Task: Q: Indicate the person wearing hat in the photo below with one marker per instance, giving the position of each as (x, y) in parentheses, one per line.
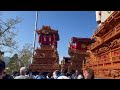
(2, 68)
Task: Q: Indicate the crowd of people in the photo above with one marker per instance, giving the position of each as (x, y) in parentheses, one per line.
(63, 74)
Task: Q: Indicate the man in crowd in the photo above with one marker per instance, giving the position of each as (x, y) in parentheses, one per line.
(63, 75)
(2, 68)
(22, 75)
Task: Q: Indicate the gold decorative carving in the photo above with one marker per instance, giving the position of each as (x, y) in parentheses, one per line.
(42, 55)
(115, 43)
(103, 49)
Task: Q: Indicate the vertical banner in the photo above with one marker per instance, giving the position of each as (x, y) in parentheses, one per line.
(98, 17)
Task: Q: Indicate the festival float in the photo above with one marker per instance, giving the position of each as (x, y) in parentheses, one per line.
(104, 53)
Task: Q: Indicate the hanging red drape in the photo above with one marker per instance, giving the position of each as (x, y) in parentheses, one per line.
(42, 39)
(52, 39)
(39, 38)
(47, 40)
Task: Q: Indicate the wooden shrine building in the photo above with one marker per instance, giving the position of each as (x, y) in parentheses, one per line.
(65, 63)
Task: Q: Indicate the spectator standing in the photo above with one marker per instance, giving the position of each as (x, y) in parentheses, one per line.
(22, 75)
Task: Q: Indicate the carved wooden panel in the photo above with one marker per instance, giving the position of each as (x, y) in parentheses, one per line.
(108, 51)
(45, 59)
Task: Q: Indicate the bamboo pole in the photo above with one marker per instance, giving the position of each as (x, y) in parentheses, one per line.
(34, 40)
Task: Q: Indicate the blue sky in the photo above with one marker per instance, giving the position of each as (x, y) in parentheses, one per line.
(68, 23)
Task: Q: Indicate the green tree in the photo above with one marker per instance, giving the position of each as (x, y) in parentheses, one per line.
(14, 64)
(21, 59)
(25, 54)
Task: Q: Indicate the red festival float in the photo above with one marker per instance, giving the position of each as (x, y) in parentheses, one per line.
(46, 57)
(77, 51)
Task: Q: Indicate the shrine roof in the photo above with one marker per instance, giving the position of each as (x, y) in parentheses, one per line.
(74, 39)
(46, 30)
(67, 58)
